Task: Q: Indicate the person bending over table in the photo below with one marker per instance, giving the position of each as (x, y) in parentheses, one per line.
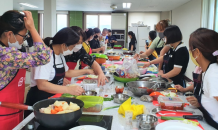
(83, 56)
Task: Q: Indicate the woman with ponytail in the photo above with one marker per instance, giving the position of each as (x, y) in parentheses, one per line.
(203, 49)
(133, 42)
(47, 80)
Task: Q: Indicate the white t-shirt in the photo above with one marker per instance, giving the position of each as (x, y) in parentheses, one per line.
(210, 88)
(47, 71)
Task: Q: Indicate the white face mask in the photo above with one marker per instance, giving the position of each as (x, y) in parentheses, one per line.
(16, 44)
(67, 52)
(77, 48)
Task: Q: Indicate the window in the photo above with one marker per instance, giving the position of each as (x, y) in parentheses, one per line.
(98, 20)
(61, 21)
(104, 22)
(91, 21)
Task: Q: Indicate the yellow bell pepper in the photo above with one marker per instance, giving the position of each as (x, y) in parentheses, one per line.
(136, 109)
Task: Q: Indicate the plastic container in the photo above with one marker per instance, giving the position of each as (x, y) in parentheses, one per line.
(174, 103)
(91, 103)
(89, 84)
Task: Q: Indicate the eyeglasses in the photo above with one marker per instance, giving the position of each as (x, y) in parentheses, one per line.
(24, 37)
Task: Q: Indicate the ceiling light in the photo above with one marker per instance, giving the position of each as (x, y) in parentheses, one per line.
(124, 5)
(29, 5)
(127, 5)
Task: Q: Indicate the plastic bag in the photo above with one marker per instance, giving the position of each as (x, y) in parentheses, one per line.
(129, 69)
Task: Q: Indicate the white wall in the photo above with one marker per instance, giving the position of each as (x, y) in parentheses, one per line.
(188, 18)
(165, 15)
(5, 6)
(149, 19)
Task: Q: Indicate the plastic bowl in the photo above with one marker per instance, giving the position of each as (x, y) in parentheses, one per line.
(142, 70)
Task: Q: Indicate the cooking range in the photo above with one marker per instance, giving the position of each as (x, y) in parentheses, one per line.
(104, 121)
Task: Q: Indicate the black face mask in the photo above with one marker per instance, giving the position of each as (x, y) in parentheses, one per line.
(96, 36)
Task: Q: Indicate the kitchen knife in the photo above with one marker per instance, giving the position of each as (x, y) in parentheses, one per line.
(191, 117)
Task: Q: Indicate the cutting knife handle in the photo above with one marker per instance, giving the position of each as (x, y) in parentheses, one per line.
(193, 117)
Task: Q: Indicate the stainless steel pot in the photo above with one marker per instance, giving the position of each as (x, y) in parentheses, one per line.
(159, 82)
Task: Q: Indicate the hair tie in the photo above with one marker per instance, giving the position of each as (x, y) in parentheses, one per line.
(87, 30)
(215, 53)
(50, 42)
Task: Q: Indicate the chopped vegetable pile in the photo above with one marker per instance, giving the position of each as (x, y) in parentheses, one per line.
(92, 76)
(169, 94)
(60, 107)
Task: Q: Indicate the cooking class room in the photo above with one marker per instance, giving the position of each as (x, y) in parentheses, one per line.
(108, 64)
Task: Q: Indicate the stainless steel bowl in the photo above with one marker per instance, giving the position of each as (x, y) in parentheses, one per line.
(91, 93)
(139, 88)
(129, 52)
(145, 121)
(120, 98)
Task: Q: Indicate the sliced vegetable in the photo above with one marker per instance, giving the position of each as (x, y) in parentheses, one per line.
(110, 107)
(68, 95)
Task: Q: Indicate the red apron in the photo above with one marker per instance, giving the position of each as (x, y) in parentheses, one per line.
(83, 65)
(14, 93)
(71, 66)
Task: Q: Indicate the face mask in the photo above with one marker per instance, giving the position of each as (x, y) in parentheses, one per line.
(96, 36)
(161, 35)
(16, 44)
(67, 52)
(193, 59)
(77, 48)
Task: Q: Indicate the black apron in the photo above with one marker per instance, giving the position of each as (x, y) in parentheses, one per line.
(168, 65)
(34, 95)
(198, 94)
(158, 50)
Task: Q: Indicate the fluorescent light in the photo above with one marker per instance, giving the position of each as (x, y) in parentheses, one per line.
(29, 5)
(127, 5)
(124, 5)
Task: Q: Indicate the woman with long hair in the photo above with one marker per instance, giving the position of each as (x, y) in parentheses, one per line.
(133, 42)
(13, 63)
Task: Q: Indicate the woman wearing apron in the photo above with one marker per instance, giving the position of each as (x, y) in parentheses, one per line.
(13, 63)
(204, 50)
(176, 60)
(47, 80)
(83, 56)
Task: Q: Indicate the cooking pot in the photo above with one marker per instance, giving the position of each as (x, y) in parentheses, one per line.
(54, 121)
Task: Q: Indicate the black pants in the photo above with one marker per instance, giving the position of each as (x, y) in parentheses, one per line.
(34, 95)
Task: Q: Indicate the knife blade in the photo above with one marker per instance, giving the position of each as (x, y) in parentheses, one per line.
(192, 117)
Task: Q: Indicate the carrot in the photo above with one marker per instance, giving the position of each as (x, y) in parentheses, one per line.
(58, 108)
(53, 111)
